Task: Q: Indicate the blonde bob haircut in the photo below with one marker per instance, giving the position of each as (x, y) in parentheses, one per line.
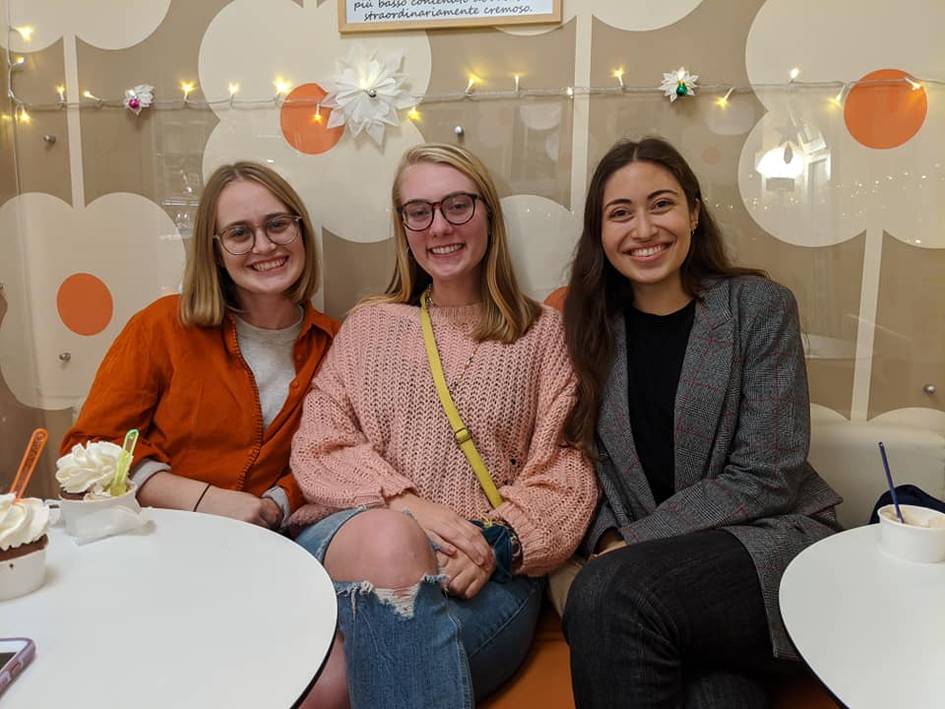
(208, 289)
(507, 312)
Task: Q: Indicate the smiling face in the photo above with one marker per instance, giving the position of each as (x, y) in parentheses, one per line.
(451, 254)
(268, 269)
(646, 232)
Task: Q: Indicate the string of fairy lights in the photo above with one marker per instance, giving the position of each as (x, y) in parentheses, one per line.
(474, 88)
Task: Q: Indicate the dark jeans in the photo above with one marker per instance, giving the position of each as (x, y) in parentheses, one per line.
(676, 622)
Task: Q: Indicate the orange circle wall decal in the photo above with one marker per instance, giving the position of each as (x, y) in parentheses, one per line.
(304, 124)
(84, 303)
(885, 115)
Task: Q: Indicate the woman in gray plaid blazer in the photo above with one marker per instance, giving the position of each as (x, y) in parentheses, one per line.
(694, 402)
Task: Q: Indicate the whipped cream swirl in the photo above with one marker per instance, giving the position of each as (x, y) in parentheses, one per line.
(89, 468)
(21, 521)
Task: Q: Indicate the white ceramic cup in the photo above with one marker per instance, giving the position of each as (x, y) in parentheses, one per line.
(74, 512)
(22, 574)
(915, 540)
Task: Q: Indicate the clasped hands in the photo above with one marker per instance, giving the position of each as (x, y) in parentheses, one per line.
(462, 555)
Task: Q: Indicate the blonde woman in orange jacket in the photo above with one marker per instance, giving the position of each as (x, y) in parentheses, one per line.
(214, 379)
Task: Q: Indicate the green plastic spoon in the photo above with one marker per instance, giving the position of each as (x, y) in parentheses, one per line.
(120, 481)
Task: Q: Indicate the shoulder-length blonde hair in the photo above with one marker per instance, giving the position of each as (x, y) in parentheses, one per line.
(507, 312)
(208, 289)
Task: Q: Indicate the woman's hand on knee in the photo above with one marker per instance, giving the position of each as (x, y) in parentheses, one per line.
(449, 531)
(464, 578)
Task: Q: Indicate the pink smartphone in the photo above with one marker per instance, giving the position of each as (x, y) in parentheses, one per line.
(15, 654)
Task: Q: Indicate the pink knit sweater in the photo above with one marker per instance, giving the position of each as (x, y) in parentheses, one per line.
(372, 426)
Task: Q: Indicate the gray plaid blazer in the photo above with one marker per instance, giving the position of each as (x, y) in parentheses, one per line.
(742, 432)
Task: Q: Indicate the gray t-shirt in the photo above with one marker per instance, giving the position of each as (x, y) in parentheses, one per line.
(269, 354)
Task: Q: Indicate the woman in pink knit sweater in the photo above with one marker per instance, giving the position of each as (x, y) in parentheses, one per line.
(429, 613)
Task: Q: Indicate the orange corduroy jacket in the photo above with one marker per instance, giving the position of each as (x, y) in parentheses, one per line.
(194, 400)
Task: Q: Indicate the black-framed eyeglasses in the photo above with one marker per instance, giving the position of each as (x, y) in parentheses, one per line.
(239, 239)
(457, 208)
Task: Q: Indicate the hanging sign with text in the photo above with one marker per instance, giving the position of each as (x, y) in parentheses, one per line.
(379, 15)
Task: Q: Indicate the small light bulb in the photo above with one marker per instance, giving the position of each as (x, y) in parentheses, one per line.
(471, 83)
(838, 99)
(795, 72)
(518, 82)
(26, 32)
(19, 61)
(234, 88)
(916, 85)
(618, 75)
(681, 73)
(569, 92)
(282, 86)
(187, 87)
(61, 90)
(92, 97)
(318, 113)
(722, 101)
(6, 117)
(23, 117)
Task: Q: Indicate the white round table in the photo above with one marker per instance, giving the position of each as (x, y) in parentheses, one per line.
(871, 626)
(194, 611)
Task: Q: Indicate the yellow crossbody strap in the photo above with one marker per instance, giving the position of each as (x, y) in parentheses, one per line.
(463, 437)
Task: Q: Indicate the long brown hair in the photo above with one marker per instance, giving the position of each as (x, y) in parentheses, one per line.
(597, 292)
(507, 313)
(208, 289)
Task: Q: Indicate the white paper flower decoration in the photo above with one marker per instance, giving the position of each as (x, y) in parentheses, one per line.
(138, 98)
(679, 83)
(367, 91)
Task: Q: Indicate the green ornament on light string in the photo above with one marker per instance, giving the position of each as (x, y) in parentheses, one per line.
(679, 84)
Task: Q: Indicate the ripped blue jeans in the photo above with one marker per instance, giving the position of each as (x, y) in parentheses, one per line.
(418, 647)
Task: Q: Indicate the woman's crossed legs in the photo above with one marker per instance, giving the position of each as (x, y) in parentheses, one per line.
(669, 623)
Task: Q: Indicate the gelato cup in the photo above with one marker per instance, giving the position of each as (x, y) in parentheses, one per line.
(90, 517)
(23, 540)
(920, 539)
(23, 572)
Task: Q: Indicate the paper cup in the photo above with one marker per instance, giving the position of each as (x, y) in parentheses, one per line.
(78, 514)
(920, 539)
(22, 574)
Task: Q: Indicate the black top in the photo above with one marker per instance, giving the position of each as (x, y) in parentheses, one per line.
(656, 346)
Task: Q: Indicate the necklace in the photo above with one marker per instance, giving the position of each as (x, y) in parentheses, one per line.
(454, 386)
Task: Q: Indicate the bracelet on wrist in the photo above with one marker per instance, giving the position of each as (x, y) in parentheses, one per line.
(200, 499)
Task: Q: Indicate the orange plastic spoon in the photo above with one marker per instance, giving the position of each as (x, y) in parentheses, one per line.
(30, 458)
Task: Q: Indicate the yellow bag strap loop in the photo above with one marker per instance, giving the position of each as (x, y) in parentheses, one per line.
(463, 436)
